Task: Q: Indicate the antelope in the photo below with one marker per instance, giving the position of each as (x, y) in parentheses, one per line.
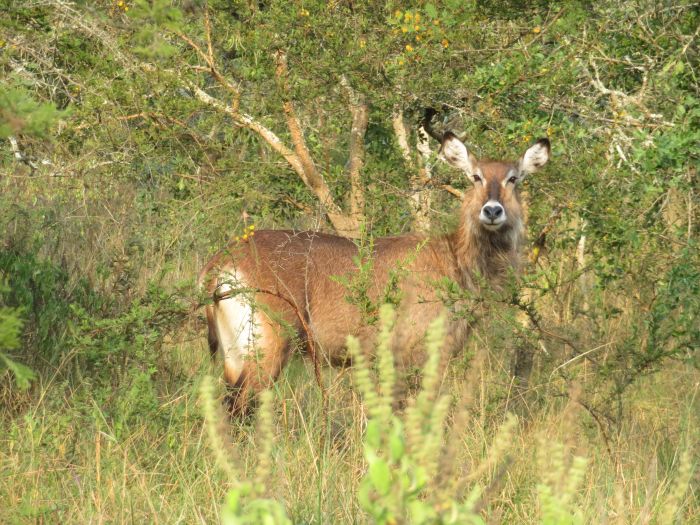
(279, 284)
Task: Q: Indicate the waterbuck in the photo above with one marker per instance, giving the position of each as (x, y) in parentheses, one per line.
(277, 285)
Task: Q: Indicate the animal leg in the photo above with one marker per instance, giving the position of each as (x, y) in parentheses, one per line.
(261, 367)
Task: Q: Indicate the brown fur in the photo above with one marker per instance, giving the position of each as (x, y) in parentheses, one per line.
(289, 275)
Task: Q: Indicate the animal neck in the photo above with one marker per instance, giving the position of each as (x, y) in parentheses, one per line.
(490, 254)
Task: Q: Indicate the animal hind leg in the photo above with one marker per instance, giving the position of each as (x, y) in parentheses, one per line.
(212, 337)
(261, 366)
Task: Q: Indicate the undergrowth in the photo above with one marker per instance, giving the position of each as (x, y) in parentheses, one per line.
(406, 452)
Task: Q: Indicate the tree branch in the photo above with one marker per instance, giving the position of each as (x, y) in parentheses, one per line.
(249, 122)
(346, 225)
(402, 136)
(421, 177)
(356, 158)
(293, 121)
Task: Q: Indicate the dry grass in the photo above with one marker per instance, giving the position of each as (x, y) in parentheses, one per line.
(134, 449)
(66, 461)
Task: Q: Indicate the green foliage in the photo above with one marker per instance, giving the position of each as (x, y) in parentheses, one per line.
(362, 291)
(124, 196)
(10, 330)
(42, 290)
(20, 113)
(402, 456)
(150, 43)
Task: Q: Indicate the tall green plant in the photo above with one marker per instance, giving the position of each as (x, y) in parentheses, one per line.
(246, 502)
(402, 452)
(10, 331)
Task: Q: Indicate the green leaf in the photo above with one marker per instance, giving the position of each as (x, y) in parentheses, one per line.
(396, 444)
(380, 474)
(23, 374)
(373, 434)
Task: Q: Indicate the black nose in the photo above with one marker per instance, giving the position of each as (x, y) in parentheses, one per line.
(493, 212)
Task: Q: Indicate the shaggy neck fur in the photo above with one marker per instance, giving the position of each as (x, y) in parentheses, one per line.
(490, 254)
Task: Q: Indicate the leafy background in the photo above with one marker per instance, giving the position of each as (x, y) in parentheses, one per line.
(118, 183)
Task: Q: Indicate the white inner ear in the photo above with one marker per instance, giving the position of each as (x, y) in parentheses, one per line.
(455, 153)
(535, 157)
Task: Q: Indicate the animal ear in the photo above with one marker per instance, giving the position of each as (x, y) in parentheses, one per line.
(454, 152)
(535, 157)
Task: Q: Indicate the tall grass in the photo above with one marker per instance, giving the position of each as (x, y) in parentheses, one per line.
(113, 430)
(65, 459)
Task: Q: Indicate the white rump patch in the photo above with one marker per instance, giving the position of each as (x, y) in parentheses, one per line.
(235, 324)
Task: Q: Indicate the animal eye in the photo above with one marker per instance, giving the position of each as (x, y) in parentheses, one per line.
(513, 180)
(476, 178)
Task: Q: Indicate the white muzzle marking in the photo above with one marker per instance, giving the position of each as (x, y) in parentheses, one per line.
(492, 215)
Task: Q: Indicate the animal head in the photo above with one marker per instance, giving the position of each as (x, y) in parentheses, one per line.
(494, 203)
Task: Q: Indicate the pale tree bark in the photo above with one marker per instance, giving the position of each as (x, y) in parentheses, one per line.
(420, 197)
(298, 158)
(359, 111)
(347, 225)
(425, 178)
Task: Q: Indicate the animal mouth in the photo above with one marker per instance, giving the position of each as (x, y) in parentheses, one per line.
(492, 226)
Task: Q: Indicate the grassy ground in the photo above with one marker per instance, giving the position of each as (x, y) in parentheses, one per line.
(127, 443)
(72, 455)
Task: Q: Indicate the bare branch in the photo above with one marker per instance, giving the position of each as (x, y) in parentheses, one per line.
(342, 223)
(423, 195)
(360, 119)
(293, 121)
(207, 26)
(401, 133)
(453, 191)
(213, 70)
(422, 176)
(347, 225)
(249, 122)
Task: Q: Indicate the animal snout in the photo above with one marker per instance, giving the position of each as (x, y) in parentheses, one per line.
(492, 212)
(492, 215)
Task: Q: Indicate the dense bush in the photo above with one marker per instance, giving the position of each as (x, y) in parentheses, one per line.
(137, 136)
